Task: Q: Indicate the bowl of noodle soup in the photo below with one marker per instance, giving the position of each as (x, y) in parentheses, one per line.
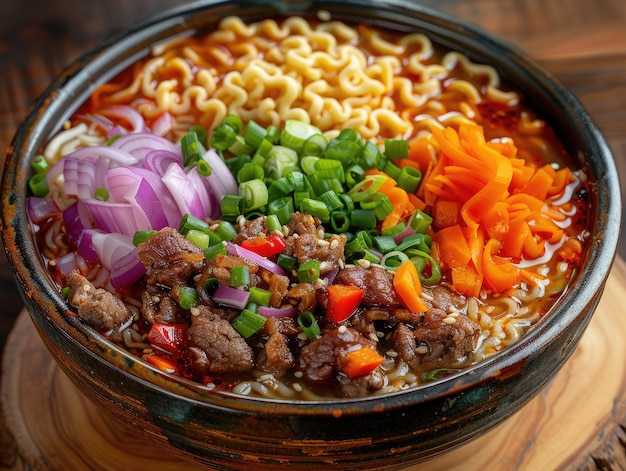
(489, 148)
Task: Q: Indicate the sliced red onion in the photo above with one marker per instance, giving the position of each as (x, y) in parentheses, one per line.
(128, 114)
(139, 144)
(80, 177)
(163, 124)
(122, 218)
(210, 204)
(230, 296)
(157, 160)
(98, 120)
(112, 155)
(85, 246)
(41, 209)
(76, 220)
(128, 186)
(66, 264)
(238, 250)
(278, 312)
(119, 256)
(169, 205)
(116, 130)
(183, 192)
(220, 172)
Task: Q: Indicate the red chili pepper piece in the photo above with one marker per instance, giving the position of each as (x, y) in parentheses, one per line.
(171, 338)
(273, 244)
(343, 300)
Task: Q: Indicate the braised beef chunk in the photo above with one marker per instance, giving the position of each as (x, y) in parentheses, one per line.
(159, 308)
(440, 339)
(320, 361)
(276, 356)
(226, 350)
(442, 297)
(171, 259)
(375, 281)
(103, 310)
(360, 386)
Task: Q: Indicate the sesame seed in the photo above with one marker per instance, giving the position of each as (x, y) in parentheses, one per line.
(334, 244)
(449, 320)
(194, 311)
(323, 242)
(212, 227)
(86, 287)
(364, 263)
(285, 230)
(266, 377)
(342, 329)
(391, 353)
(373, 336)
(241, 221)
(320, 233)
(341, 264)
(297, 387)
(298, 374)
(295, 235)
(421, 350)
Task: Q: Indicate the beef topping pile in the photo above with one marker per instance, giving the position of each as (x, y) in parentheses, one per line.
(201, 340)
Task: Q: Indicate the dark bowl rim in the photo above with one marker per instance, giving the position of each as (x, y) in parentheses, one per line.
(24, 258)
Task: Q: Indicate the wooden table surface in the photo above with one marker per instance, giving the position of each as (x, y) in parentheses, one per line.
(582, 42)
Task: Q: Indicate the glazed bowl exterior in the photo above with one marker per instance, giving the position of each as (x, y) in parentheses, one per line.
(387, 432)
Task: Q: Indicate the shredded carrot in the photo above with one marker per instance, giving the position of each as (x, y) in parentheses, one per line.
(361, 362)
(407, 284)
(420, 152)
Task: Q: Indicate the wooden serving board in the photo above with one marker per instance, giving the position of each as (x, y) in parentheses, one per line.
(576, 422)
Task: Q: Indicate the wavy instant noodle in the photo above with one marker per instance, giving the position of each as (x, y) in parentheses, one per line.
(385, 86)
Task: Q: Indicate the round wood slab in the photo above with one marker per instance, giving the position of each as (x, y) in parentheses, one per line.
(576, 422)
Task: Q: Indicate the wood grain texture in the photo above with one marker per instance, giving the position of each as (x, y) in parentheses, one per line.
(576, 422)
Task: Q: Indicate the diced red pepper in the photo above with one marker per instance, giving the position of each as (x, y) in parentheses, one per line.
(343, 300)
(361, 362)
(273, 244)
(171, 338)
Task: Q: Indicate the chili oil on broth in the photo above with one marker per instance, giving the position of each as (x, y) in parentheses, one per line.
(381, 83)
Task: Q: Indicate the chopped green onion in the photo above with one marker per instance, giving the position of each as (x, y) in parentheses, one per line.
(416, 241)
(307, 164)
(434, 375)
(394, 230)
(392, 170)
(315, 208)
(236, 163)
(286, 262)
(65, 293)
(273, 224)
(223, 137)
(371, 156)
(278, 160)
(38, 184)
(363, 218)
(346, 151)
(226, 231)
(331, 200)
(39, 164)
(232, 207)
(330, 168)
(369, 185)
(348, 134)
(204, 168)
(254, 134)
(385, 243)
(191, 148)
(299, 196)
(282, 208)
(409, 179)
(379, 202)
(189, 222)
(371, 256)
(354, 174)
(357, 245)
(396, 149)
(198, 238)
(188, 298)
(296, 133)
(239, 147)
(392, 260)
(250, 172)
(308, 324)
(259, 296)
(210, 286)
(315, 145)
(248, 323)
(239, 275)
(234, 121)
(101, 194)
(254, 193)
(112, 139)
(424, 262)
(420, 221)
(340, 221)
(200, 132)
(254, 307)
(142, 236)
(214, 250)
(273, 134)
(309, 271)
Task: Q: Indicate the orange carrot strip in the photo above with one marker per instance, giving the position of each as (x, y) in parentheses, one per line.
(500, 274)
(446, 213)
(361, 362)
(453, 247)
(407, 284)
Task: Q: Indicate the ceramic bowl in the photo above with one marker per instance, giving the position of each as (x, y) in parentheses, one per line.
(387, 432)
